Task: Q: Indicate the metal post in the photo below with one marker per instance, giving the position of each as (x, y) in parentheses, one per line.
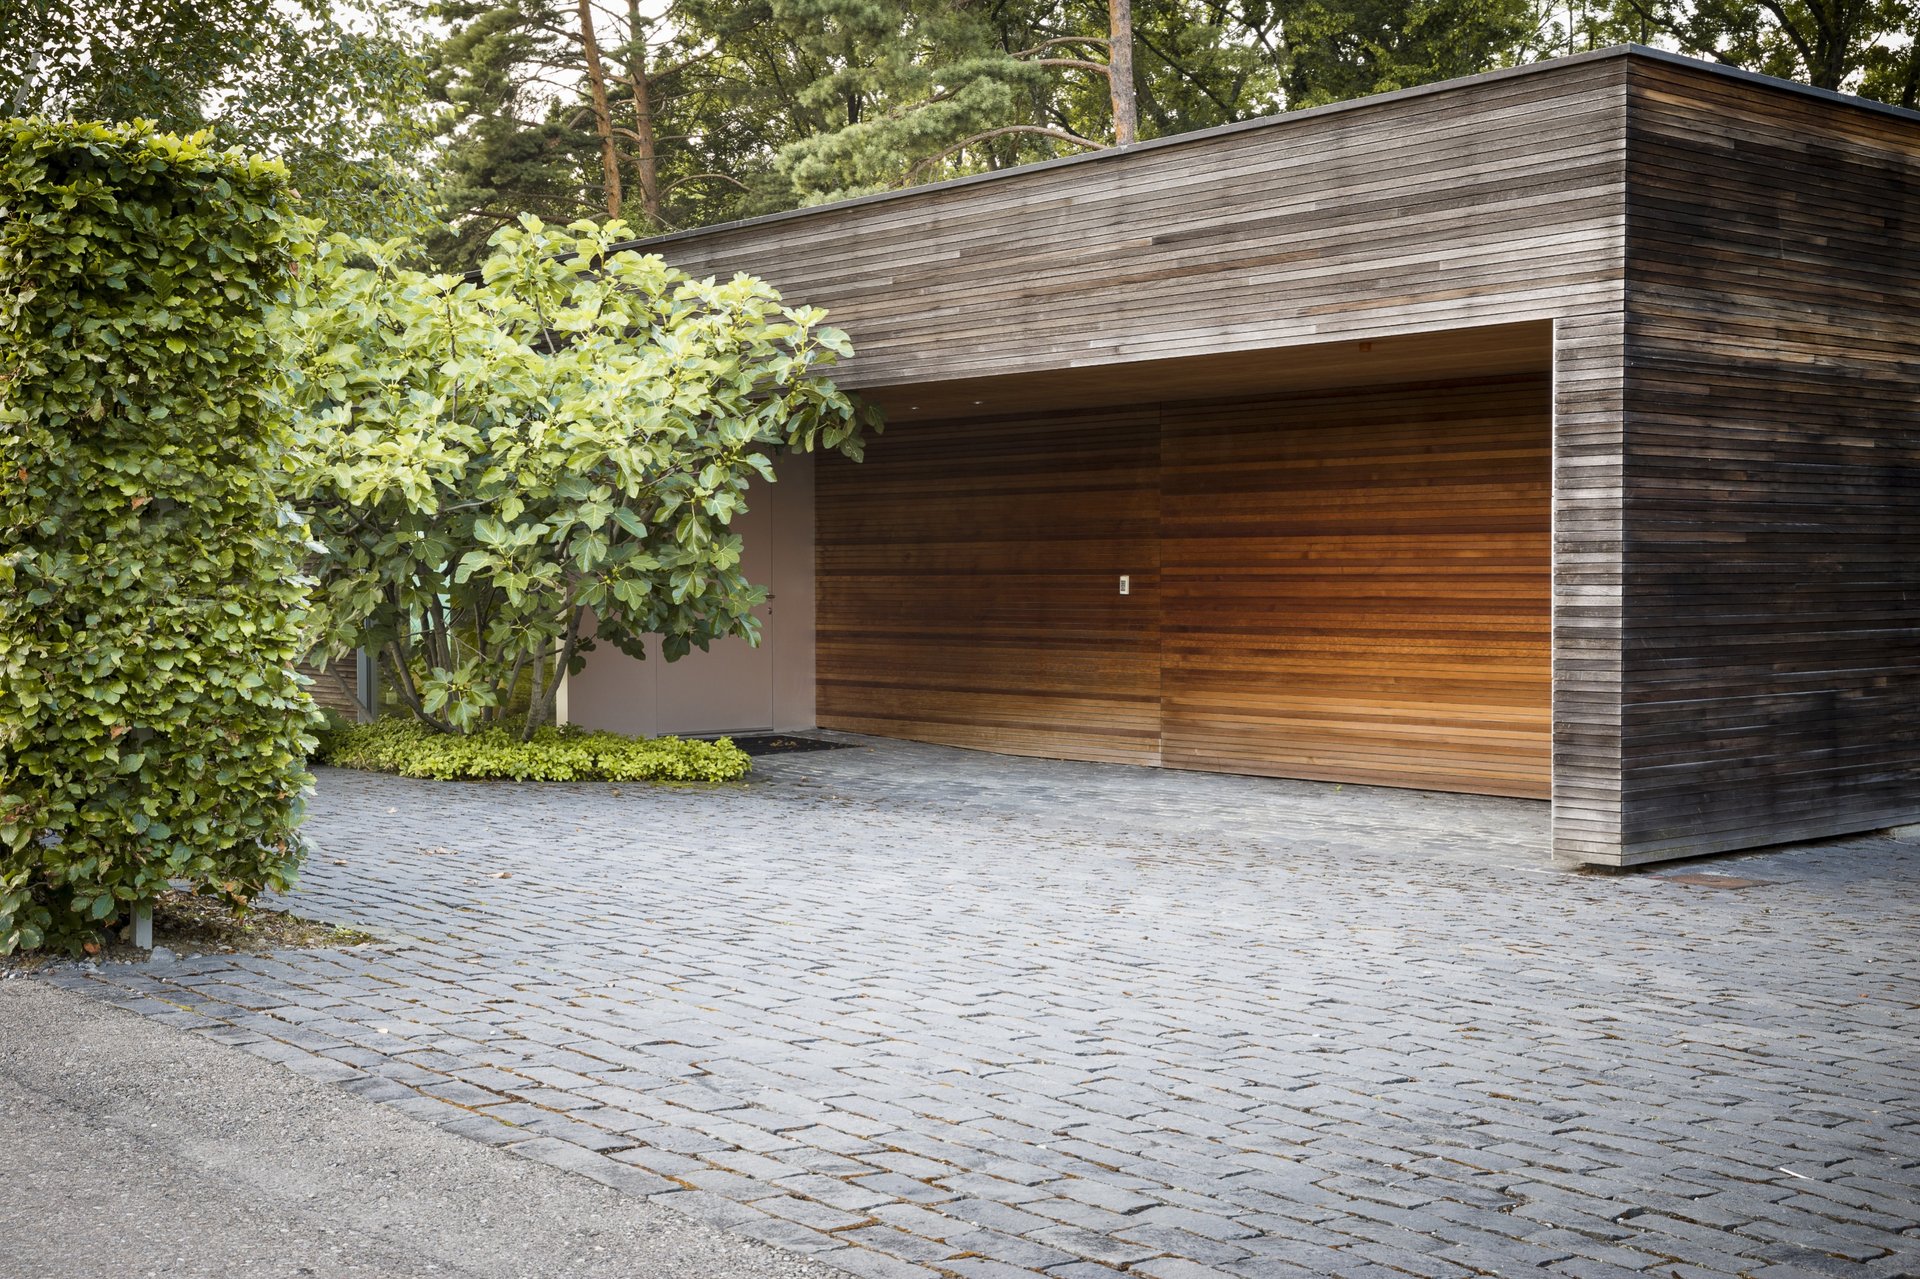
(367, 685)
(143, 926)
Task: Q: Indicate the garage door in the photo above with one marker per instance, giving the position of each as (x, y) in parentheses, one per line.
(1348, 587)
(966, 576)
(1356, 588)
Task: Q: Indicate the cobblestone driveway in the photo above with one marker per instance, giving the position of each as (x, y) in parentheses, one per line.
(932, 1012)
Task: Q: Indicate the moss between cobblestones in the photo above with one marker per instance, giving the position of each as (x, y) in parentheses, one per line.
(565, 754)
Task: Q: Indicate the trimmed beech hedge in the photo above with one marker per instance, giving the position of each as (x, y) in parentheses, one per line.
(566, 754)
(151, 725)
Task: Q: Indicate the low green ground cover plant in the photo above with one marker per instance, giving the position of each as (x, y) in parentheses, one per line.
(552, 754)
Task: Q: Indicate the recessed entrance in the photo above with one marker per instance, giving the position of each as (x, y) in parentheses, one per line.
(1339, 570)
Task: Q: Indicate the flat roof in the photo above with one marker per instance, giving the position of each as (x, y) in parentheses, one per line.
(1110, 155)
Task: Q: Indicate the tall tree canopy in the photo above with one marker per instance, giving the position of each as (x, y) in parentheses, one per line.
(678, 113)
(1870, 47)
(614, 108)
(331, 89)
(697, 111)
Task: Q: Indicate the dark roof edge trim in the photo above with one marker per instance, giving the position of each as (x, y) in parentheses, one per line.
(1873, 105)
(1110, 154)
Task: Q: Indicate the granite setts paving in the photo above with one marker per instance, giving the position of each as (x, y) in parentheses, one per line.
(931, 1012)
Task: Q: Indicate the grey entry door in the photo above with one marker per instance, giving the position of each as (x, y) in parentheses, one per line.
(729, 688)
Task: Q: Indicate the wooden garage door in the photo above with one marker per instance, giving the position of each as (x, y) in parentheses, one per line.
(967, 586)
(1351, 587)
(1356, 587)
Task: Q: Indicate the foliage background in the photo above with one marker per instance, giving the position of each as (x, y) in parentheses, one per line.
(334, 89)
(394, 115)
(488, 462)
(151, 726)
(752, 106)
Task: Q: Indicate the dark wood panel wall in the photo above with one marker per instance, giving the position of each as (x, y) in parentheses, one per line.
(1772, 615)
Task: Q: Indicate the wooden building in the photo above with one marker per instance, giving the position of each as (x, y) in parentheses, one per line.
(344, 685)
(1551, 433)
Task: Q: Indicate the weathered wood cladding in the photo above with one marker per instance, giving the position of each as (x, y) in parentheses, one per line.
(336, 685)
(1771, 621)
(1588, 480)
(1491, 202)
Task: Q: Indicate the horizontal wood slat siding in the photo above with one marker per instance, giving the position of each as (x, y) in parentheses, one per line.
(1588, 536)
(1493, 202)
(1350, 587)
(1772, 619)
(1356, 587)
(336, 684)
(967, 586)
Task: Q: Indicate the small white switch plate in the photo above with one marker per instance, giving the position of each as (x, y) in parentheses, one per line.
(1126, 584)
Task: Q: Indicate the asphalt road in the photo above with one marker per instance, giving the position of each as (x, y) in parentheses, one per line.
(129, 1148)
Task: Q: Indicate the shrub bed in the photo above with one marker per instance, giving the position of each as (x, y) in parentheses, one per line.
(568, 754)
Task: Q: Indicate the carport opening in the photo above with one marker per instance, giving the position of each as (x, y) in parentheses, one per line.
(1329, 562)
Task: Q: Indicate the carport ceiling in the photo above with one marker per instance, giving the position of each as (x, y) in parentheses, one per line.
(1420, 357)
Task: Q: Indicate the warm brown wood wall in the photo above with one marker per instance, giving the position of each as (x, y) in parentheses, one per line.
(1772, 617)
(1342, 586)
(1356, 587)
(967, 586)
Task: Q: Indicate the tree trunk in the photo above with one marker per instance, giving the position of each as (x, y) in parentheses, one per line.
(646, 150)
(394, 656)
(24, 92)
(546, 692)
(536, 696)
(602, 113)
(1126, 108)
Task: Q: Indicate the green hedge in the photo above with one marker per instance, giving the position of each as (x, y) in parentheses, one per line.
(151, 725)
(569, 754)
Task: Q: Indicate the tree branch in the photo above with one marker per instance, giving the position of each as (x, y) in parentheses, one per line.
(695, 177)
(1099, 68)
(395, 657)
(541, 709)
(1795, 38)
(1041, 129)
(1057, 42)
